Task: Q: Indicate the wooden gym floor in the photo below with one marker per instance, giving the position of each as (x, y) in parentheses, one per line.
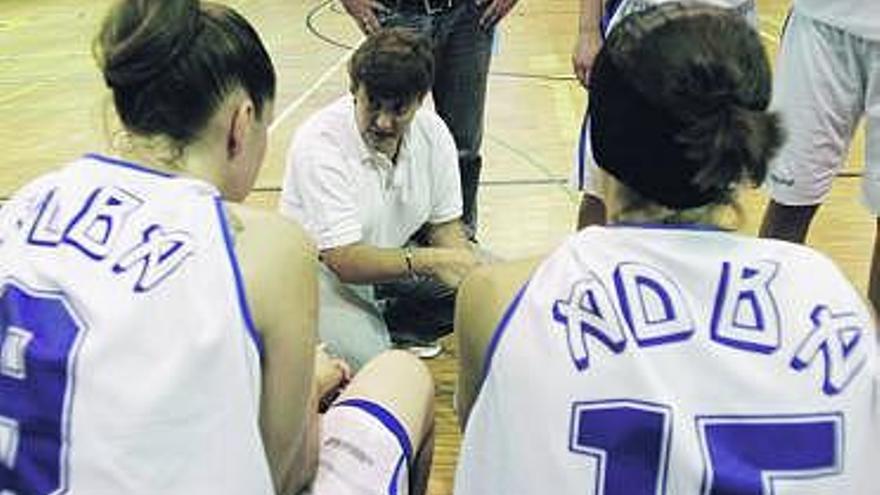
(53, 108)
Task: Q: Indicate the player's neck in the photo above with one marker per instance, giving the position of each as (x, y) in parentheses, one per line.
(158, 153)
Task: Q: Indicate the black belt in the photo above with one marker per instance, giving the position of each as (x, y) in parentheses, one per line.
(429, 7)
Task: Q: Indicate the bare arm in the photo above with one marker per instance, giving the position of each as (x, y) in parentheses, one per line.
(482, 300)
(279, 268)
(361, 263)
(495, 11)
(364, 13)
(589, 39)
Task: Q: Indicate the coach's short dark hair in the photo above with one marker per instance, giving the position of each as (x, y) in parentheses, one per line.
(393, 63)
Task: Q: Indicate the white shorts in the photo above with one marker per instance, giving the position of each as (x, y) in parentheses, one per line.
(584, 174)
(825, 81)
(364, 451)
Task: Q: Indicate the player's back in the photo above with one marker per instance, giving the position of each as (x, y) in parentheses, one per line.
(129, 362)
(646, 360)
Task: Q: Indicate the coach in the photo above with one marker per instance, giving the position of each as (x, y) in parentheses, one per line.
(366, 174)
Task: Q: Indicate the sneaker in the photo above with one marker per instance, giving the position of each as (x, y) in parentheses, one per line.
(426, 350)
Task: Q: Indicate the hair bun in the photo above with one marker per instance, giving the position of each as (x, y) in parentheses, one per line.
(147, 37)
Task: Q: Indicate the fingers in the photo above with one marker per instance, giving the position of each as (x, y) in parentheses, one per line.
(491, 15)
(364, 13)
(582, 72)
(496, 11)
(377, 6)
(369, 23)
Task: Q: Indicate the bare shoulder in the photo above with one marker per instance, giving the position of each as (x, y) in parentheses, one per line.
(482, 300)
(498, 283)
(485, 295)
(278, 263)
(269, 235)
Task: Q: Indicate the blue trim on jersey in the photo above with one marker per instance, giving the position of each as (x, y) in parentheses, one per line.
(582, 148)
(394, 426)
(500, 329)
(671, 226)
(239, 281)
(610, 9)
(392, 485)
(129, 165)
(386, 418)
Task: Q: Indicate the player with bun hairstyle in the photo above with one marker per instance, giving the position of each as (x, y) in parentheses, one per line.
(662, 353)
(157, 337)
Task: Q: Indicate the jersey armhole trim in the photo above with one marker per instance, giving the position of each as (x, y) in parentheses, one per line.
(500, 329)
(239, 282)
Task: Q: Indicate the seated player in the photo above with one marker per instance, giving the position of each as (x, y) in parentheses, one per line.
(157, 338)
(662, 353)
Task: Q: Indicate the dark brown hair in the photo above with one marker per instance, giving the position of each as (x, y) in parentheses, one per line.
(393, 63)
(170, 63)
(689, 85)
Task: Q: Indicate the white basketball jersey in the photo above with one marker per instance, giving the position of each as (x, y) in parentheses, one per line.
(129, 362)
(648, 360)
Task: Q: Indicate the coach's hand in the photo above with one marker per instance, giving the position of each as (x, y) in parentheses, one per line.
(364, 13)
(585, 50)
(495, 10)
(452, 265)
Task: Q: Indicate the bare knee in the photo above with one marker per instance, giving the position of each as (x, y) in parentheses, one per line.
(401, 383)
(410, 370)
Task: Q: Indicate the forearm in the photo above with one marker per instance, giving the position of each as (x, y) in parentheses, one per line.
(590, 13)
(364, 264)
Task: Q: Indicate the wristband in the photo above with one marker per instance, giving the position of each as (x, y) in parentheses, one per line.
(408, 257)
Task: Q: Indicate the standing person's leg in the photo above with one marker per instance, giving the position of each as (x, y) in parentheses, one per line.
(874, 276)
(818, 90)
(463, 52)
(871, 180)
(789, 223)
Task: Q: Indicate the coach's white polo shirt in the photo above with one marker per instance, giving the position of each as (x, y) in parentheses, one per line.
(343, 193)
(859, 17)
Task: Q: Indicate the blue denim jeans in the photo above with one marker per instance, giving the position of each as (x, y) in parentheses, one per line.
(462, 51)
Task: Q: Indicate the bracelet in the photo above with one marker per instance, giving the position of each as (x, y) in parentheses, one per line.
(408, 257)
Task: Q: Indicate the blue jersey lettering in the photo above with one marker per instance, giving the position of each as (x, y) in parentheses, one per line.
(745, 314)
(589, 311)
(840, 338)
(159, 255)
(652, 305)
(95, 228)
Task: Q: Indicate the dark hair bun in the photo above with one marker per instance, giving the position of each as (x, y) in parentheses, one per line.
(146, 37)
(694, 82)
(171, 63)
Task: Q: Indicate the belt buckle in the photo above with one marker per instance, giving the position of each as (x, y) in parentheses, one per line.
(430, 9)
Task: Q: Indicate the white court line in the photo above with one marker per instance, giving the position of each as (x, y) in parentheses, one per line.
(769, 37)
(309, 92)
